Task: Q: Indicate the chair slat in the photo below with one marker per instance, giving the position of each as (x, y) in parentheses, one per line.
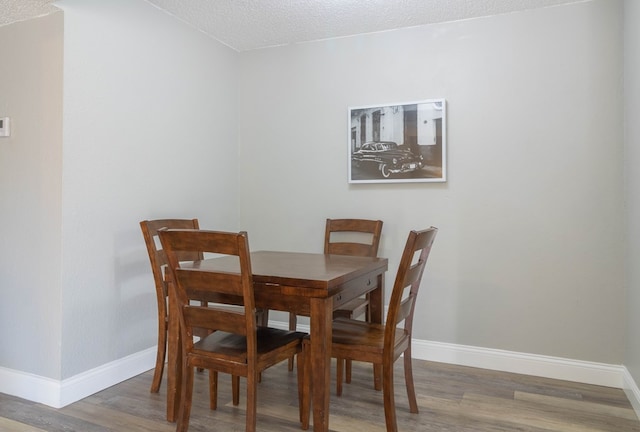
(355, 249)
(197, 280)
(405, 308)
(215, 319)
(413, 274)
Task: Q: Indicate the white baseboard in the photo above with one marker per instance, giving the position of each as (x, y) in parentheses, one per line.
(531, 364)
(522, 363)
(58, 394)
(509, 361)
(632, 391)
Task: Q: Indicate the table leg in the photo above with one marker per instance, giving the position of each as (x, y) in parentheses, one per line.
(376, 300)
(321, 315)
(376, 305)
(174, 359)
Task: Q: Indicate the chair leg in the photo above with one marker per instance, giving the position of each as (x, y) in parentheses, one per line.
(303, 386)
(187, 396)
(377, 374)
(235, 389)
(252, 390)
(339, 371)
(160, 356)
(263, 317)
(408, 379)
(293, 324)
(349, 362)
(389, 398)
(213, 389)
(304, 392)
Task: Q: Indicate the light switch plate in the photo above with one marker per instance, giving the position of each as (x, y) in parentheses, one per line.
(5, 129)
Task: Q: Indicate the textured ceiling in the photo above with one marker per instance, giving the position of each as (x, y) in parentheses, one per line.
(20, 10)
(251, 24)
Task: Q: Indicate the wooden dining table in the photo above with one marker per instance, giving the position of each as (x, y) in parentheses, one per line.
(303, 283)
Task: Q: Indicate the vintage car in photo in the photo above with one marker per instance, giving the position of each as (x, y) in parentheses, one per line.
(387, 157)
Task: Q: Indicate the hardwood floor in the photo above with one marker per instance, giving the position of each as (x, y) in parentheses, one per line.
(450, 399)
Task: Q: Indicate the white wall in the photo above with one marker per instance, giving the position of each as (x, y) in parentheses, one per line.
(530, 249)
(632, 159)
(150, 109)
(30, 195)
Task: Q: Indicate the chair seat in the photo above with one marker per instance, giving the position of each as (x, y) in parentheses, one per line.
(352, 309)
(367, 337)
(234, 347)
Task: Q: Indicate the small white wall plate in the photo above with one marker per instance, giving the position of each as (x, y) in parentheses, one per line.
(5, 129)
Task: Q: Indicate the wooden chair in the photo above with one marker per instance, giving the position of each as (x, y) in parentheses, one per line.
(356, 237)
(384, 344)
(236, 345)
(158, 262)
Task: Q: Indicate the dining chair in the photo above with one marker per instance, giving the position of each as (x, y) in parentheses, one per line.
(383, 344)
(236, 344)
(158, 260)
(356, 237)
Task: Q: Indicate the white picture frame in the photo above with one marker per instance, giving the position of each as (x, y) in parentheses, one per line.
(398, 143)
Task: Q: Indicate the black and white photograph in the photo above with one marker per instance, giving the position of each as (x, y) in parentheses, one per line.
(398, 143)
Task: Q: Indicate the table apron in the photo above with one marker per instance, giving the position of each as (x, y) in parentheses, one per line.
(297, 299)
(355, 288)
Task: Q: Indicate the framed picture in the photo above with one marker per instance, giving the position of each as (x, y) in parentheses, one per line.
(399, 143)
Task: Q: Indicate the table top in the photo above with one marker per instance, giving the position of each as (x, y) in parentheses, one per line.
(311, 270)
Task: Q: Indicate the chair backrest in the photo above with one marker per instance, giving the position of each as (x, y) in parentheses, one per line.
(157, 257)
(405, 289)
(349, 246)
(224, 286)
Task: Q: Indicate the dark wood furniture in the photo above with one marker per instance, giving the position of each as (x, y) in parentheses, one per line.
(334, 243)
(236, 344)
(355, 237)
(158, 260)
(384, 344)
(306, 284)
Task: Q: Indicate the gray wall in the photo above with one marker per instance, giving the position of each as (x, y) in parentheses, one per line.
(632, 159)
(529, 257)
(161, 121)
(30, 195)
(149, 132)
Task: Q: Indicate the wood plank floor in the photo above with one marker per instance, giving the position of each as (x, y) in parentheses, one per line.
(450, 399)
